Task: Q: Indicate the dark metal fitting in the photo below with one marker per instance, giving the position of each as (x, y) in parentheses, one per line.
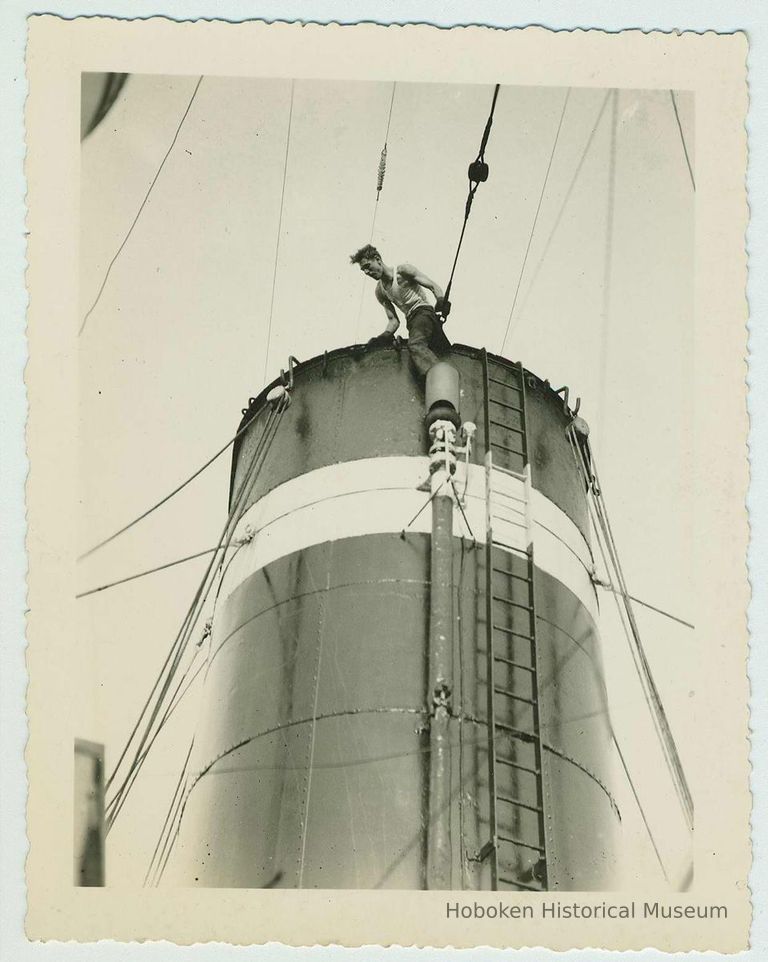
(279, 397)
(580, 427)
(287, 378)
(207, 629)
(478, 172)
(441, 696)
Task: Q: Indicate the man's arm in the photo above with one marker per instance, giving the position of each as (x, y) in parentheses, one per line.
(393, 321)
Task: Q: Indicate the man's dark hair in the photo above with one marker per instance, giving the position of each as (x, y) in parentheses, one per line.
(364, 254)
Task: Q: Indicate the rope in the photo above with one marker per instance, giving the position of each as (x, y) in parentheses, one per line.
(461, 509)
(149, 571)
(224, 539)
(179, 645)
(566, 199)
(168, 496)
(682, 139)
(473, 185)
(117, 803)
(607, 292)
(645, 604)
(535, 220)
(660, 714)
(581, 467)
(141, 208)
(638, 802)
(642, 666)
(170, 816)
(381, 171)
(258, 458)
(423, 507)
(279, 231)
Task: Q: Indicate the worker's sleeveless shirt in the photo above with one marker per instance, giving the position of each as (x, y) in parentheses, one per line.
(404, 293)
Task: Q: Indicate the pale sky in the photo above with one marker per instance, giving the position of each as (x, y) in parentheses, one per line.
(177, 342)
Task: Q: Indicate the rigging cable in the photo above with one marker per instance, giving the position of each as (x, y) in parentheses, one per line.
(606, 300)
(141, 208)
(243, 428)
(682, 139)
(477, 174)
(170, 814)
(116, 802)
(381, 171)
(535, 220)
(585, 477)
(178, 647)
(566, 199)
(148, 571)
(626, 616)
(163, 567)
(279, 232)
(609, 587)
(115, 806)
(660, 715)
(639, 804)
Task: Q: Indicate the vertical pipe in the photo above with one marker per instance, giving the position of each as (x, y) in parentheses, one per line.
(439, 856)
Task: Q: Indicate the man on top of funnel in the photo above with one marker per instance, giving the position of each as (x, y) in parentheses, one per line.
(404, 287)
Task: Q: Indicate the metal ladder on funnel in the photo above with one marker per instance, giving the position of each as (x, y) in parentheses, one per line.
(516, 848)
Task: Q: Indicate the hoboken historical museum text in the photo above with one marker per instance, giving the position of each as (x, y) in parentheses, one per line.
(582, 910)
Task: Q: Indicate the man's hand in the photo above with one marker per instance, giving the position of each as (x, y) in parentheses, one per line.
(386, 339)
(442, 307)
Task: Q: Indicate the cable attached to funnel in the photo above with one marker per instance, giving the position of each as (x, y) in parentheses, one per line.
(477, 174)
(180, 643)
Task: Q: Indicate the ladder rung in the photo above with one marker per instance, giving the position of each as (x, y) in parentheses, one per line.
(503, 447)
(509, 407)
(508, 601)
(510, 547)
(515, 664)
(518, 732)
(511, 574)
(511, 631)
(509, 471)
(522, 885)
(503, 507)
(503, 760)
(511, 694)
(506, 494)
(514, 524)
(495, 380)
(513, 521)
(511, 840)
(516, 801)
(512, 507)
(506, 427)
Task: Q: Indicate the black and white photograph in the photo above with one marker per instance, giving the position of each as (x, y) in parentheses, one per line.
(386, 539)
